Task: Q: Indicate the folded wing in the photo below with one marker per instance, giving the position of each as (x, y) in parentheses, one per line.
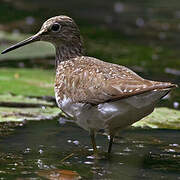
(93, 81)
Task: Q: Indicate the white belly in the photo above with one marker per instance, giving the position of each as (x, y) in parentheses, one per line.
(115, 115)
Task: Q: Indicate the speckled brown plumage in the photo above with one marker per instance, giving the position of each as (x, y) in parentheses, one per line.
(96, 94)
(89, 80)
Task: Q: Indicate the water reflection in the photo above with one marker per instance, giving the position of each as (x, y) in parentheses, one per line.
(48, 146)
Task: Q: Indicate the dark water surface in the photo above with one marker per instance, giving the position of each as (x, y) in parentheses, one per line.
(138, 154)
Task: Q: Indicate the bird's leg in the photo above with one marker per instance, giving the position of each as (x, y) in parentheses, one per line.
(110, 143)
(92, 134)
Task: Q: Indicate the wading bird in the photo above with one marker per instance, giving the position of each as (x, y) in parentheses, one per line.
(97, 95)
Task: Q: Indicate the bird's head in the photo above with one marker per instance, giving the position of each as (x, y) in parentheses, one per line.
(56, 30)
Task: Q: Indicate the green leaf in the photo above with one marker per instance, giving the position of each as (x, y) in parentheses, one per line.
(163, 118)
(20, 98)
(28, 82)
(21, 114)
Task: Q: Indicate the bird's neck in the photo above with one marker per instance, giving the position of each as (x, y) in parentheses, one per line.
(68, 51)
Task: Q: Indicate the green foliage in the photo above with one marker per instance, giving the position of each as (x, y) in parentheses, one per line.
(162, 118)
(20, 114)
(28, 82)
(21, 98)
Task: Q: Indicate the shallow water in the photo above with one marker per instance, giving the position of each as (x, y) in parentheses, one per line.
(138, 154)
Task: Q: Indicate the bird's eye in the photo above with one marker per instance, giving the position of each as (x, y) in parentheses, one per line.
(56, 27)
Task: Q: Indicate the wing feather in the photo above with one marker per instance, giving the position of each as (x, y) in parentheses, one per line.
(88, 80)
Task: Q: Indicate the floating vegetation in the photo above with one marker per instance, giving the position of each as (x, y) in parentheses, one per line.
(162, 118)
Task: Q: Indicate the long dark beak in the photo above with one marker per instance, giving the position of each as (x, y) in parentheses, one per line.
(29, 40)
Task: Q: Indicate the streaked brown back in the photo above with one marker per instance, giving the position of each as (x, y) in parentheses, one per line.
(89, 80)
